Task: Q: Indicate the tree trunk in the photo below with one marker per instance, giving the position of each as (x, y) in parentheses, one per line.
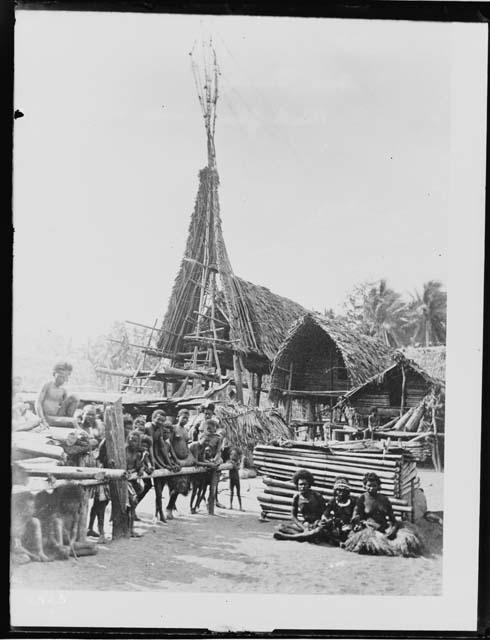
(116, 455)
(237, 374)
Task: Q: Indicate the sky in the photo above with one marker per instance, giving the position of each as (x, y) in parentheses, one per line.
(333, 143)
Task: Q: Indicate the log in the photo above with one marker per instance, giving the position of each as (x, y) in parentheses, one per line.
(399, 424)
(71, 473)
(40, 450)
(116, 454)
(237, 375)
(413, 422)
(185, 471)
(325, 467)
(331, 460)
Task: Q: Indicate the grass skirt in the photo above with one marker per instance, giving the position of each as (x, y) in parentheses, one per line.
(406, 542)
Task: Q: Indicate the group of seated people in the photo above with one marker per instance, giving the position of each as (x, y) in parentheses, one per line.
(365, 525)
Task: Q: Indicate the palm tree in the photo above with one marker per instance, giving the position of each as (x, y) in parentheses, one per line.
(427, 315)
(379, 311)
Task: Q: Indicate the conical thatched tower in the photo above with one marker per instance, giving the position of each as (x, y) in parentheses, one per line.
(215, 319)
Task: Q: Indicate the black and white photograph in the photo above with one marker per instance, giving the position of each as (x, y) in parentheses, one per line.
(247, 321)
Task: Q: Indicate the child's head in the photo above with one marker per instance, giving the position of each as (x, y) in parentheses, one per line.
(183, 417)
(139, 423)
(134, 439)
(158, 416)
(208, 452)
(210, 426)
(235, 455)
(145, 443)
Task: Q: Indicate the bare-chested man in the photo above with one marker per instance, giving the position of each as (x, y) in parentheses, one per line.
(54, 406)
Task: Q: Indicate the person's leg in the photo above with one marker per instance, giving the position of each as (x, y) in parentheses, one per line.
(69, 406)
(147, 486)
(91, 522)
(216, 501)
(101, 507)
(80, 549)
(159, 483)
(238, 494)
(32, 540)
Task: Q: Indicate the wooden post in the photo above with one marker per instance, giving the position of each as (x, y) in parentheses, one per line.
(310, 417)
(402, 400)
(259, 388)
(237, 374)
(251, 389)
(288, 399)
(436, 455)
(116, 455)
(212, 491)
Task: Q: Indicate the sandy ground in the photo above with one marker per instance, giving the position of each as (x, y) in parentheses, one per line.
(235, 552)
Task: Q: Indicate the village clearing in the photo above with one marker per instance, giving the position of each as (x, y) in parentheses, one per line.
(235, 552)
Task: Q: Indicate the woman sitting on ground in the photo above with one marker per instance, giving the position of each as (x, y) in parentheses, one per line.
(335, 524)
(375, 529)
(308, 507)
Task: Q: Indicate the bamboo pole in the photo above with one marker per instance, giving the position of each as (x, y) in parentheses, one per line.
(73, 473)
(116, 454)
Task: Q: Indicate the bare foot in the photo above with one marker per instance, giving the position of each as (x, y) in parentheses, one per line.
(169, 514)
(93, 534)
(135, 534)
(219, 505)
(242, 509)
(101, 539)
(230, 507)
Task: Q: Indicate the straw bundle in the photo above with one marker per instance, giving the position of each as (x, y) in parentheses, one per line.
(245, 427)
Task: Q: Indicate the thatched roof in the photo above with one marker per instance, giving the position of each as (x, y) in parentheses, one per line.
(362, 355)
(430, 359)
(398, 358)
(271, 315)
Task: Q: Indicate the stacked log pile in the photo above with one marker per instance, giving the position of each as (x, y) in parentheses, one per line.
(397, 471)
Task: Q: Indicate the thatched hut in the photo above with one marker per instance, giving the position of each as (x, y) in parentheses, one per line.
(431, 359)
(401, 386)
(321, 359)
(409, 401)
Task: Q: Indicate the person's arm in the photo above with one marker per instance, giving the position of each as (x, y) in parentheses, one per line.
(389, 510)
(173, 457)
(294, 512)
(359, 513)
(40, 402)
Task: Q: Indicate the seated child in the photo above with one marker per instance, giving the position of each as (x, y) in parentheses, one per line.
(26, 535)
